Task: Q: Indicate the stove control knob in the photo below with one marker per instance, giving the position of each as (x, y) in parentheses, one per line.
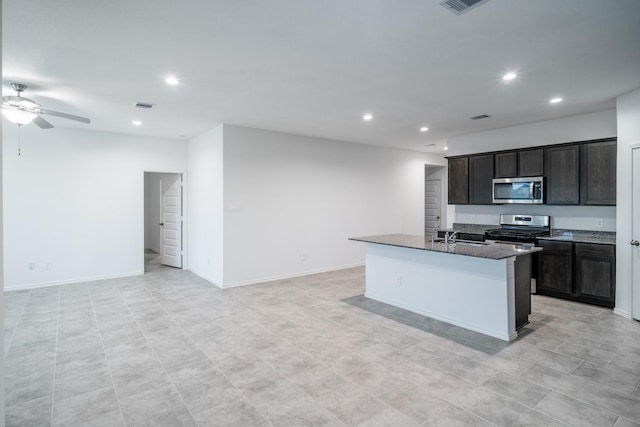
(635, 243)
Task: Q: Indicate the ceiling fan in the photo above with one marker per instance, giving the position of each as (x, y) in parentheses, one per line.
(20, 110)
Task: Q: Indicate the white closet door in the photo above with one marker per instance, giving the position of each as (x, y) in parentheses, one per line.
(171, 187)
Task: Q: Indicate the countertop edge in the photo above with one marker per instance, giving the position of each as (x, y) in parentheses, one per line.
(491, 251)
(580, 239)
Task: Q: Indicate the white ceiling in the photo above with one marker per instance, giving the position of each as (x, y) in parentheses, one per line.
(314, 67)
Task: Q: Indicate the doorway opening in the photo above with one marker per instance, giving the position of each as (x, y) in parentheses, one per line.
(163, 220)
(433, 220)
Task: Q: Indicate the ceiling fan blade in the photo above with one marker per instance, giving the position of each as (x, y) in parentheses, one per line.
(66, 116)
(42, 123)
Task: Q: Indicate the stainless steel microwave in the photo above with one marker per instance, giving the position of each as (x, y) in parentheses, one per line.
(518, 190)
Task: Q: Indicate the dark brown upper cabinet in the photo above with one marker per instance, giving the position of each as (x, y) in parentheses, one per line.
(481, 179)
(531, 162)
(598, 170)
(580, 173)
(563, 175)
(458, 182)
(519, 163)
(506, 164)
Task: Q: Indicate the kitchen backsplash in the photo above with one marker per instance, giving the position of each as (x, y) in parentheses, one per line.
(596, 218)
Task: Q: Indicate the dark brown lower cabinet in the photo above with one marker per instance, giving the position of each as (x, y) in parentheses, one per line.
(523, 290)
(582, 272)
(555, 268)
(596, 273)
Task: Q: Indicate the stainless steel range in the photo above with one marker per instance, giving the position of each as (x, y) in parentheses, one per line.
(520, 228)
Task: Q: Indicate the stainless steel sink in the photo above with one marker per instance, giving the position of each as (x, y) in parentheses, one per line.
(472, 243)
(462, 242)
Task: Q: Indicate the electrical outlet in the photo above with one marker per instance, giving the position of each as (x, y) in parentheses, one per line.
(48, 265)
(303, 256)
(31, 266)
(473, 219)
(399, 280)
(600, 223)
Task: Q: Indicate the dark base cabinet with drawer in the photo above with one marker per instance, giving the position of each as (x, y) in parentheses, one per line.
(596, 273)
(582, 272)
(555, 268)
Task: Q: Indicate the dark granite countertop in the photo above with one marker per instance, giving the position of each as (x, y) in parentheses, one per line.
(576, 236)
(478, 250)
(583, 236)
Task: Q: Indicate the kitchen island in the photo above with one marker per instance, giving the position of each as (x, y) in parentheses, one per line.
(484, 287)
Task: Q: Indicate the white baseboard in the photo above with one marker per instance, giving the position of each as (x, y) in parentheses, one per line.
(9, 288)
(196, 272)
(621, 313)
(288, 276)
(204, 276)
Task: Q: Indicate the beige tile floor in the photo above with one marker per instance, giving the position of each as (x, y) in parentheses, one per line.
(169, 349)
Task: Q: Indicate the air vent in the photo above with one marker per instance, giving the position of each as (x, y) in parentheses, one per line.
(480, 117)
(461, 6)
(145, 105)
(429, 145)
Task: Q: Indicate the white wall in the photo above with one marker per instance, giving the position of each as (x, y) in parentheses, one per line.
(291, 202)
(76, 198)
(205, 208)
(628, 110)
(577, 128)
(152, 211)
(569, 129)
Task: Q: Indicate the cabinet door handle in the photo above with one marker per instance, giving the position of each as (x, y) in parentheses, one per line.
(635, 243)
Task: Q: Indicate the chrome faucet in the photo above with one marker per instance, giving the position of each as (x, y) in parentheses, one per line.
(450, 237)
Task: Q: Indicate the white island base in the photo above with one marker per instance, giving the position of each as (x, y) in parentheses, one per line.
(470, 292)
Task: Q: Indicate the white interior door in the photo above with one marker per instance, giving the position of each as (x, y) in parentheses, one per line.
(635, 234)
(431, 205)
(171, 225)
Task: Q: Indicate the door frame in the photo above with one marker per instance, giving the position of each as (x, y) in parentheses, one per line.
(634, 288)
(435, 173)
(439, 205)
(185, 255)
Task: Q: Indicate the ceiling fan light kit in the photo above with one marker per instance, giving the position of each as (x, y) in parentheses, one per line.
(21, 111)
(17, 116)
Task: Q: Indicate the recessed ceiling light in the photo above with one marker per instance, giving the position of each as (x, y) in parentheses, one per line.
(136, 123)
(367, 117)
(509, 76)
(424, 129)
(446, 148)
(172, 80)
(555, 100)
